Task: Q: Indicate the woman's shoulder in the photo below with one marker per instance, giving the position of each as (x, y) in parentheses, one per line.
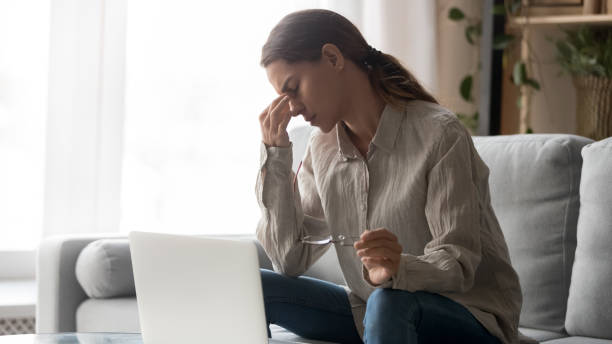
(430, 114)
(431, 121)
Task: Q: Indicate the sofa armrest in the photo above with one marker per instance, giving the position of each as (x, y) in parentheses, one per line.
(59, 292)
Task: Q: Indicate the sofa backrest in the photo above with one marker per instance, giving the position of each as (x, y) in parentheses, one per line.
(534, 184)
(590, 296)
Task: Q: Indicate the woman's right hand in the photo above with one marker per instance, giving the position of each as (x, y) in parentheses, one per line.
(274, 120)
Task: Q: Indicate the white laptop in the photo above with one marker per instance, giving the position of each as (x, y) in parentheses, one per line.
(197, 290)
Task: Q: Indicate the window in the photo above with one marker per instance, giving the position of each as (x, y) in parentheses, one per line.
(194, 91)
(24, 54)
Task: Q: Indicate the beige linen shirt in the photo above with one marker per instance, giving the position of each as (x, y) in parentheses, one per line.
(424, 181)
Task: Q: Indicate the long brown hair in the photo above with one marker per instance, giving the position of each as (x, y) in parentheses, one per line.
(299, 36)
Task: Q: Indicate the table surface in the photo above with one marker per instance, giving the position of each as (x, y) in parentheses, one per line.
(73, 338)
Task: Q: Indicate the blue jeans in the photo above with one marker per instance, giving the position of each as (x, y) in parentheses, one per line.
(320, 310)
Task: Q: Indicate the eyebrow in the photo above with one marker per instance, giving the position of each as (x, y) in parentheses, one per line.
(284, 88)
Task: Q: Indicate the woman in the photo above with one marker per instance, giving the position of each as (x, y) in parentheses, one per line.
(392, 168)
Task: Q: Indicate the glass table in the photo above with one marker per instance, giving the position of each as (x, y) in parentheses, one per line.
(73, 338)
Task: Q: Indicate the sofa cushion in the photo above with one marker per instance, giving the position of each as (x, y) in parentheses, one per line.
(579, 340)
(108, 315)
(541, 335)
(534, 181)
(590, 298)
(104, 269)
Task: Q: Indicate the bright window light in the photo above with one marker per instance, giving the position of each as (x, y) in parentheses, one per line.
(194, 91)
(24, 55)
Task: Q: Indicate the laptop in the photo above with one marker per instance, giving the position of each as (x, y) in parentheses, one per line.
(197, 290)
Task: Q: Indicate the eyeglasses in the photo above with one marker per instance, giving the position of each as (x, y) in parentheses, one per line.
(338, 239)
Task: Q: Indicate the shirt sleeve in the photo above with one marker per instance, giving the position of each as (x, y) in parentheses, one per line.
(452, 209)
(286, 216)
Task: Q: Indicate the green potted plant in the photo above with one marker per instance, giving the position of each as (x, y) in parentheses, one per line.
(586, 54)
(473, 31)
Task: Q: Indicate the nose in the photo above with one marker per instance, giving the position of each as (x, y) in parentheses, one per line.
(295, 107)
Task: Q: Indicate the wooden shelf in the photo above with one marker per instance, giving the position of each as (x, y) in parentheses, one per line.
(565, 20)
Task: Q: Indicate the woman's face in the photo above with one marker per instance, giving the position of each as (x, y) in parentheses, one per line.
(313, 88)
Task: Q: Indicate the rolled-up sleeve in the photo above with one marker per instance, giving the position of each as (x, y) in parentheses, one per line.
(450, 259)
(285, 215)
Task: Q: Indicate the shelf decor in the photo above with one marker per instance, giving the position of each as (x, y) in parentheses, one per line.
(586, 54)
(555, 3)
(593, 106)
(555, 7)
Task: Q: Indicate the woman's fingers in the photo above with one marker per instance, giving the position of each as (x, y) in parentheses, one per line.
(274, 121)
(279, 113)
(379, 252)
(382, 242)
(377, 234)
(380, 237)
(283, 125)
(266, 112)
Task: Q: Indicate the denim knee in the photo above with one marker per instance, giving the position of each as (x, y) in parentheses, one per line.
(270, 281)
(390, 313)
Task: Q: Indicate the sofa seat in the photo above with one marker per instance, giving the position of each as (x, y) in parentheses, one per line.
(108, 315)
(121, 315)
(541, 335)
(580, 340)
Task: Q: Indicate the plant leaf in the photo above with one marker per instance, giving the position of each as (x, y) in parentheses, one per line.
(466, 88)
(500, 42)
(471, 29)
(586, 51)
(518, 73)
(455, 14)
(529, 131)
(532, 83)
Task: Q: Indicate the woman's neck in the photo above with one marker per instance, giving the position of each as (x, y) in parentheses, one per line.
(364, 113)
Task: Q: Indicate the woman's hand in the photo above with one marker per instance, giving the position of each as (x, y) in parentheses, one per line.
(380, 253)
(274, 120)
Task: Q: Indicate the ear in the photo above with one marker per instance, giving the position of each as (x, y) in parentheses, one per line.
(332, 55)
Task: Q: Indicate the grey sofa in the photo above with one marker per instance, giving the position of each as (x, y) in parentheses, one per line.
(553, 198)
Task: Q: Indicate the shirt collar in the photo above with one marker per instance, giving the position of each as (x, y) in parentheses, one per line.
(385, 137)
